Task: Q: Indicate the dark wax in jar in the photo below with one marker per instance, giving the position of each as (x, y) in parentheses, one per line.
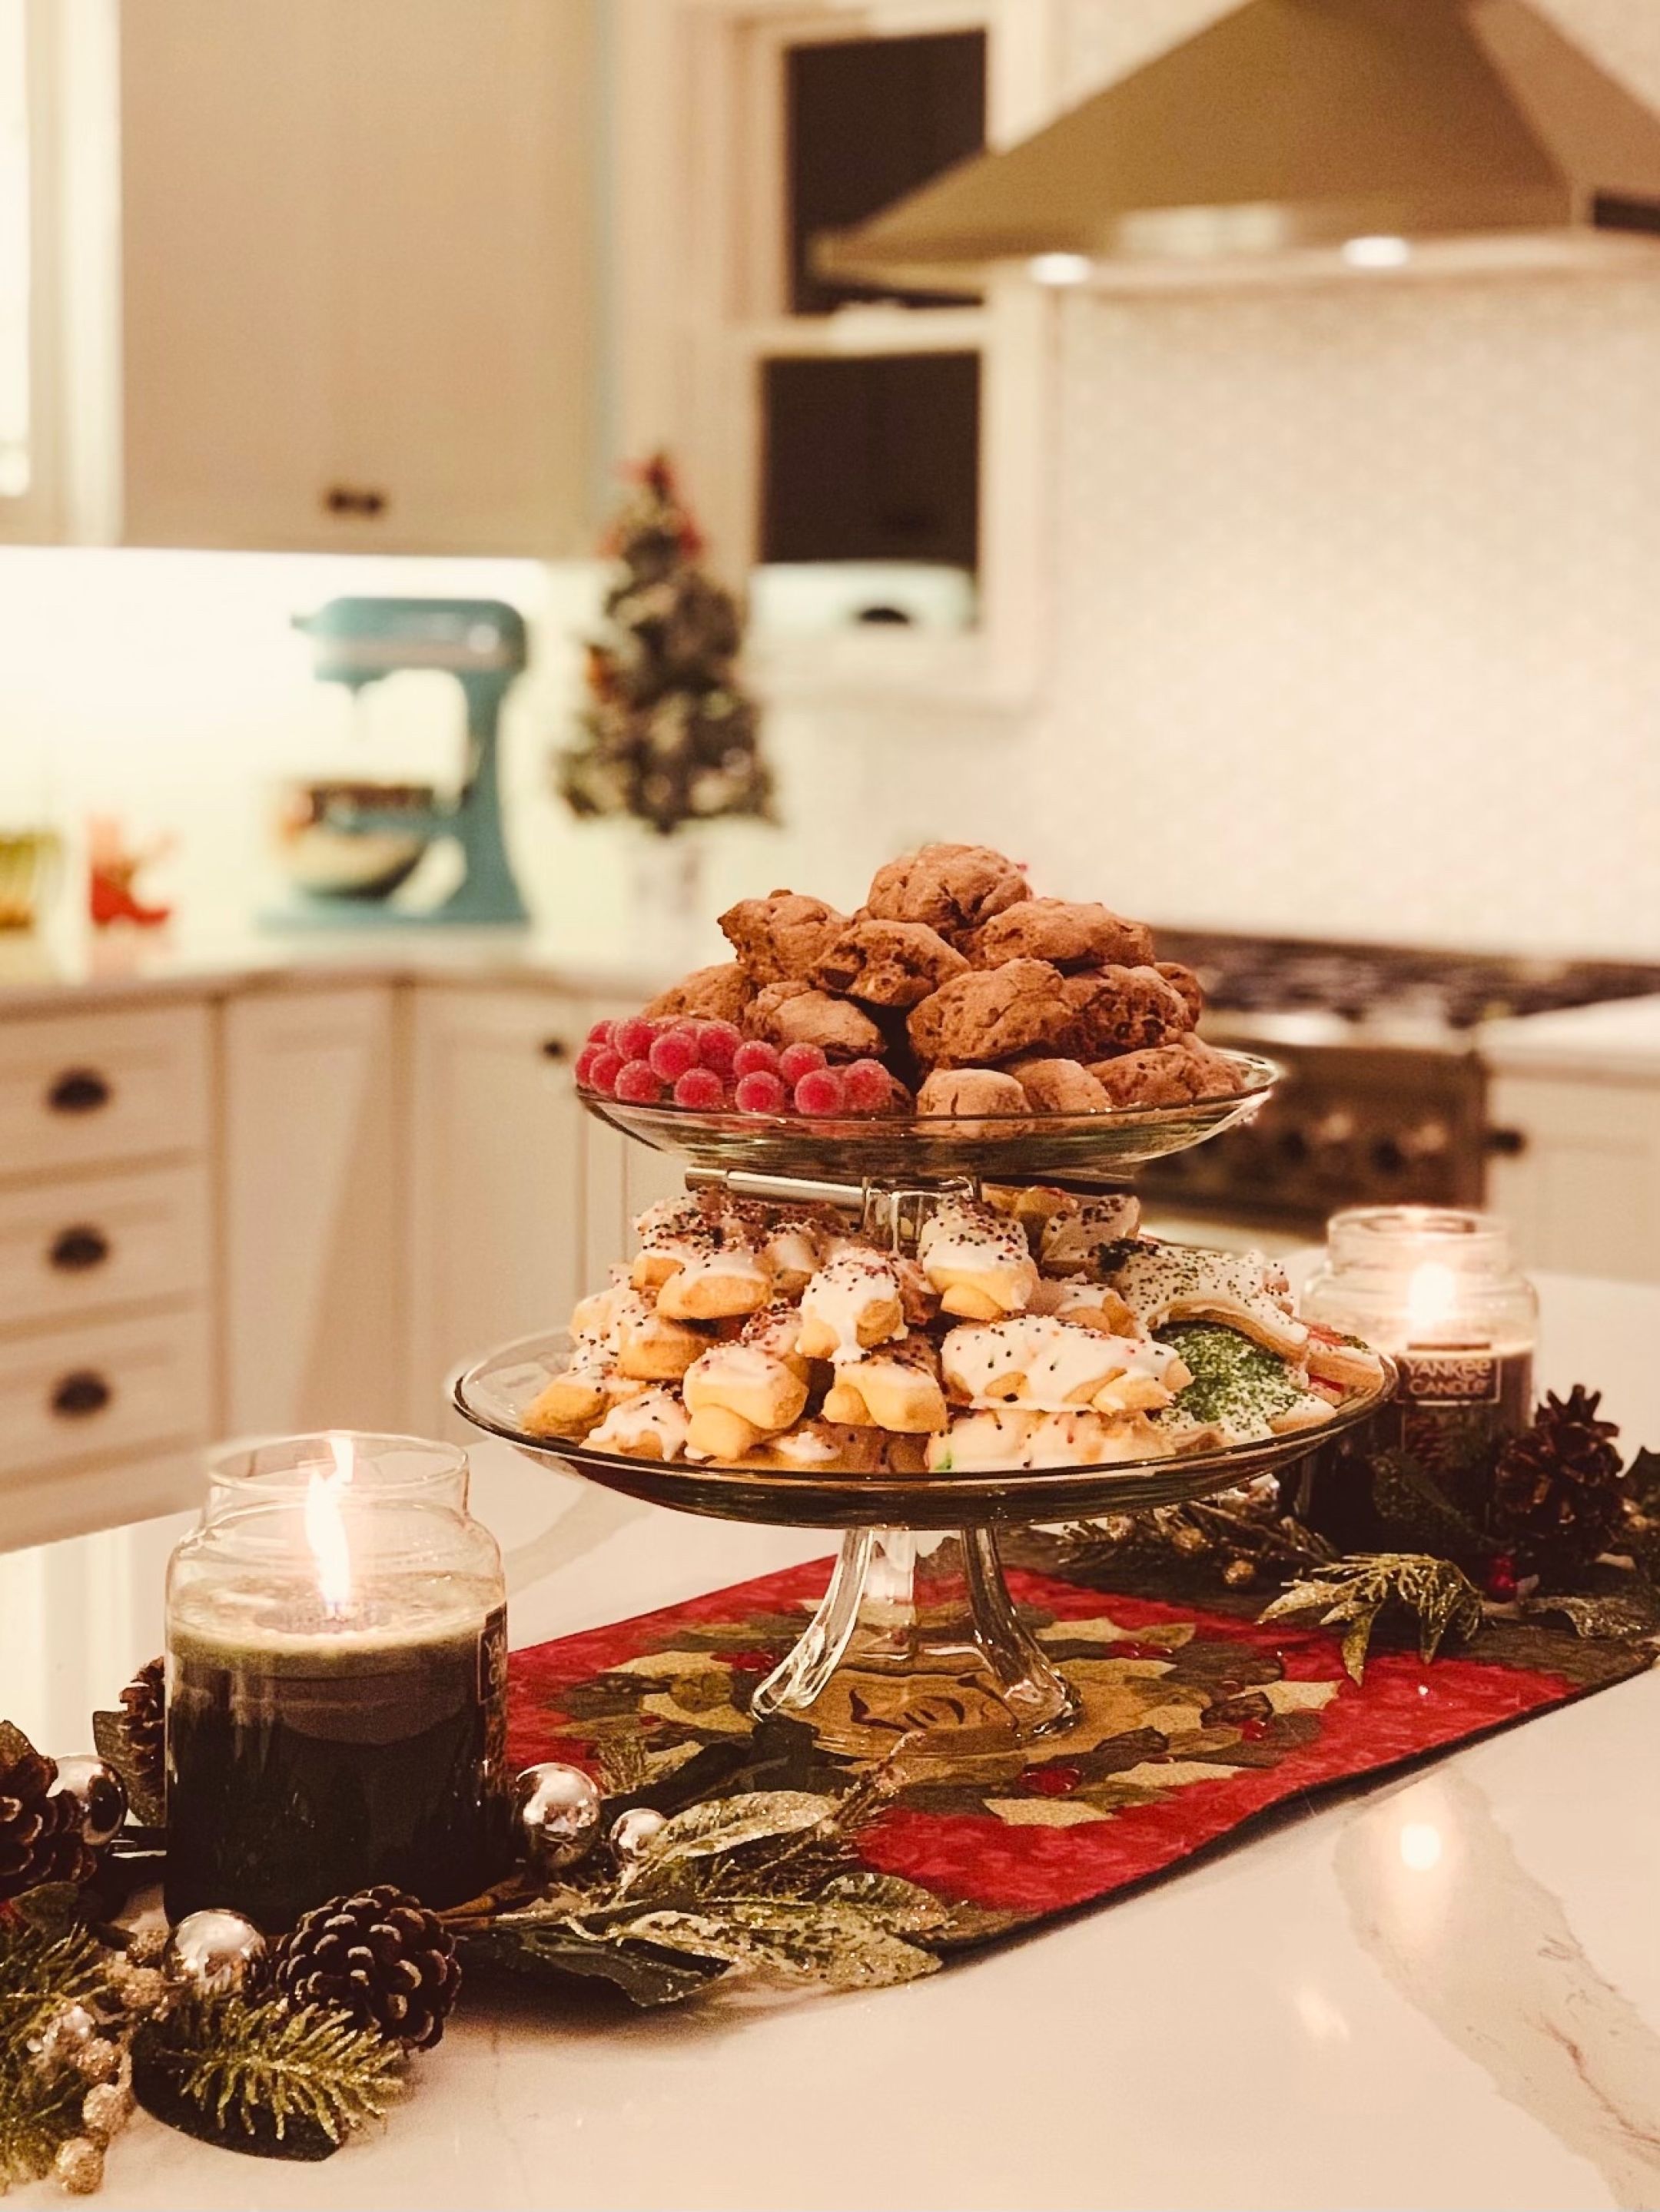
(304, 1767)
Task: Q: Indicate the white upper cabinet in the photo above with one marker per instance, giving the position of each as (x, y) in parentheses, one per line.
(358, 274)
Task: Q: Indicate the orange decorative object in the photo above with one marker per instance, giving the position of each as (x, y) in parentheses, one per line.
(114, 868)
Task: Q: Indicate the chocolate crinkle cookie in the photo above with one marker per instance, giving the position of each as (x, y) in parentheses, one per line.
(1067, 933)
(709, 994)
(951, 888)
(1111, 1010)
(794, 1013)
(888, 963)
(781, 938)
(1168, 1075)
(990, 1014)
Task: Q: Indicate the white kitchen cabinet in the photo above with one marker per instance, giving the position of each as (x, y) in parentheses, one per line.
(108, 1381)
(313, 1172)
(1582, 1191)
(358, 274)
(498, 1193)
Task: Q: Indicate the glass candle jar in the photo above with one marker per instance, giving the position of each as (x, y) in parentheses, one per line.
(1440, 1290)
(335, 1654)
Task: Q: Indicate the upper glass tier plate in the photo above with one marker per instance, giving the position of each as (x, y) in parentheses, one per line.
(921, 1147)
(492, 1394)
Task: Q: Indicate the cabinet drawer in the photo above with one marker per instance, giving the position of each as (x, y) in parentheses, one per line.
(102, 1387)
(90, 1090)
(72, 1247)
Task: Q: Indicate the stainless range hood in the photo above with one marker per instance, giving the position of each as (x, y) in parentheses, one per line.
(1302, 138)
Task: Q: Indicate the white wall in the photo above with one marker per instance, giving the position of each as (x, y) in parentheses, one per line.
(1357, 628)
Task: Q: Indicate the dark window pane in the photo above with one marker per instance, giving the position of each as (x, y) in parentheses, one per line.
(868, 120)
(873, 459)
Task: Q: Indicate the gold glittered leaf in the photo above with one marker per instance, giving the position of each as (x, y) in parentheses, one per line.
(1350, 1593)
(836, 1945)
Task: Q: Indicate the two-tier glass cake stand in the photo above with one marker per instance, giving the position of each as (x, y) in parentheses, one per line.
(918, 1621)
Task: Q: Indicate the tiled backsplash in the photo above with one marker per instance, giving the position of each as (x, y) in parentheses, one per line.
(1357, 628)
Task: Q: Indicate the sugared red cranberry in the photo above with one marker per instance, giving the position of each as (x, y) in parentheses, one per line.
(820, 1091)
(601, 1033)
(638, 1084)
(760, 1092)
(633, 1038)
(718, 1046)
(700, 1088)
(798, 1060)
(869, 1087)
(672, 1054)
(754, 1059)
(602, 1069)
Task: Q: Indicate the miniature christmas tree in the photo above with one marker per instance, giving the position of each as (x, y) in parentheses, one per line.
(668, 737)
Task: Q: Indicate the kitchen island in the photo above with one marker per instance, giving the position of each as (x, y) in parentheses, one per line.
(1442, 1991)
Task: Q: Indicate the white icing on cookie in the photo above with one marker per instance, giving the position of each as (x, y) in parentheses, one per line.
(1174, 1282)
(1043, 1365)
(655, 1416)
(845, 1290)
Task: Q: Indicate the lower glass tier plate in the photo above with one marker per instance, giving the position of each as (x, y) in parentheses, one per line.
(989, 1147)
(493, 1393)
(918, 1624)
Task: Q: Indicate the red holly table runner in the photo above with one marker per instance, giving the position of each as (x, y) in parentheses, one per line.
(1196, 1720)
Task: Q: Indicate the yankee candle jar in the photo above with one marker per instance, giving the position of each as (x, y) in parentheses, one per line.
(337, 1671)
(1440, 1291)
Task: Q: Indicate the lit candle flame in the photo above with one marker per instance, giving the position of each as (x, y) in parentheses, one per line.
(325, 1529)
(1432, 1296)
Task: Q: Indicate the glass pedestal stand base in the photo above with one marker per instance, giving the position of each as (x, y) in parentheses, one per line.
(917, 1642)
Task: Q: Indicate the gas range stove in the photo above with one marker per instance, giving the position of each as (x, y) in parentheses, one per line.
(1379, 990)
(1385, 1099)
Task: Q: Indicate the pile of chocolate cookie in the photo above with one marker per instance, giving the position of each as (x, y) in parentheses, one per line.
(976, 996)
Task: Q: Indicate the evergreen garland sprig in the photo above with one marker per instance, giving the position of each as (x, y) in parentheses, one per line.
(42, 1972)
(246, 2062)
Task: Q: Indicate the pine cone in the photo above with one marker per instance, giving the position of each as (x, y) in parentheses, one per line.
(379, 1955)
(1558, 1498)
(40, 1837)
(145, 1723)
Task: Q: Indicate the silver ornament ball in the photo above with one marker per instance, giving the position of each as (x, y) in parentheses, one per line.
(214, 1953)
(99, 1792)
(557, 1809)
(634, 1833)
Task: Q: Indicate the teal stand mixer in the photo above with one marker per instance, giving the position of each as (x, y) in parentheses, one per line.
(347, 847)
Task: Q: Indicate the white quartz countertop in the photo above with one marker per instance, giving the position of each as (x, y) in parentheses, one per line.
(129, 966)
(1442, 1991)
(1618, 1042)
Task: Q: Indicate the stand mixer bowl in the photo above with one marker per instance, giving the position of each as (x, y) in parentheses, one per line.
(335, 840)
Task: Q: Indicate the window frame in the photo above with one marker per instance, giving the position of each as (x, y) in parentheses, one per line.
(700, 253)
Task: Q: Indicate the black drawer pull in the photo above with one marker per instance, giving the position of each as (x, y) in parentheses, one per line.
(79, 1090)
(353, 499)
(75, 1250)
(83, 1392)
(1506, 1144)
(555, 1048)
